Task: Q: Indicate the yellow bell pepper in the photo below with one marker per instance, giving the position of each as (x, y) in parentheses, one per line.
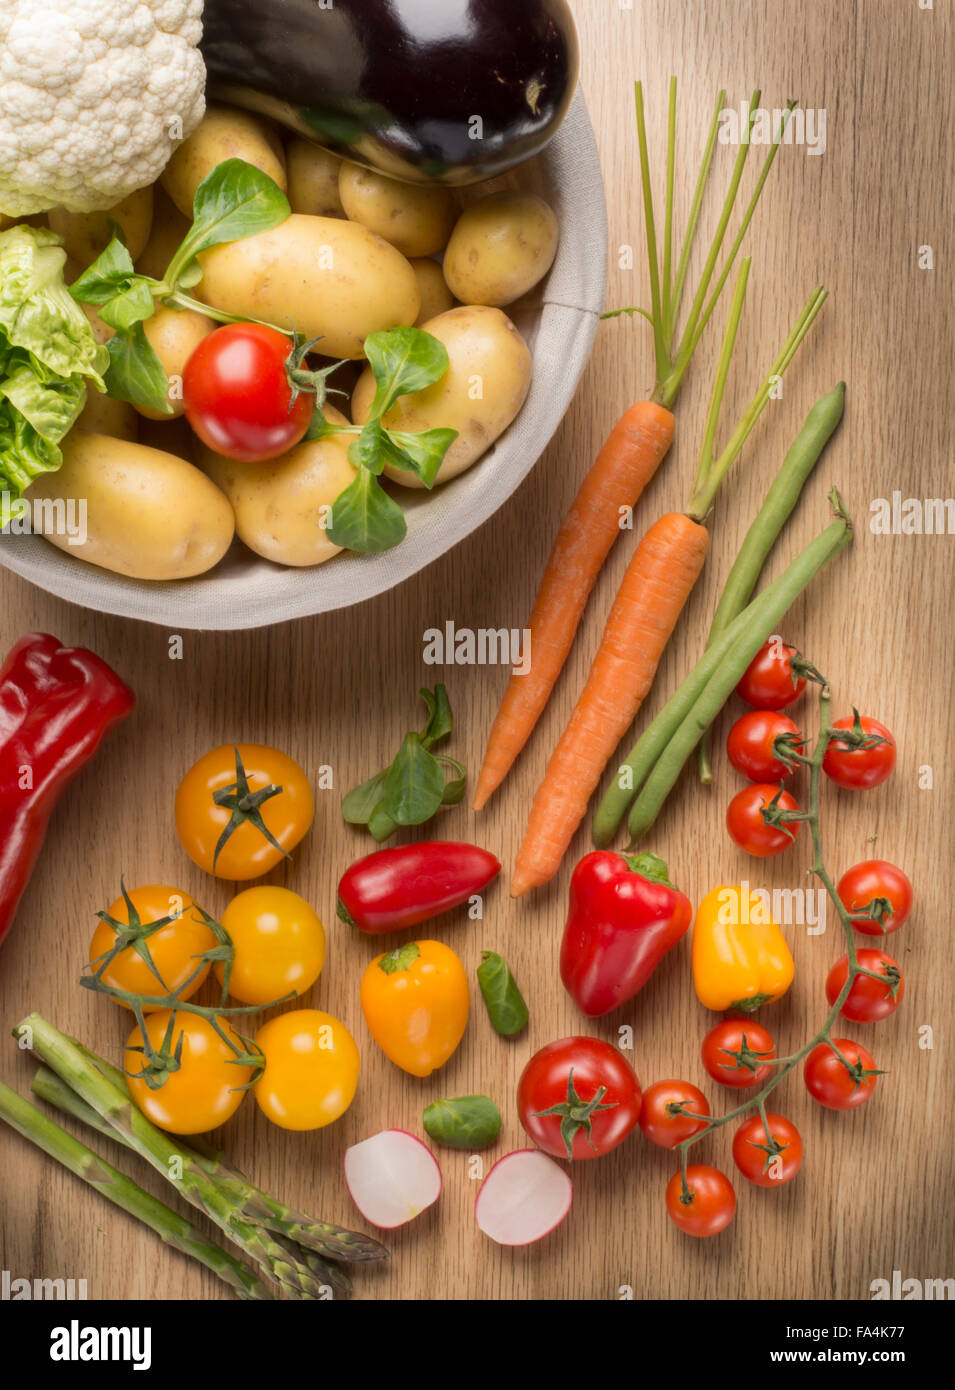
(740, 956)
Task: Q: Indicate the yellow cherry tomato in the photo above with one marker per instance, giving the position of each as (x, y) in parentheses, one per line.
(279, 945)
(415, 1000)
(173, 948)
(201, 1094)
(233, 800)
(311, 1069)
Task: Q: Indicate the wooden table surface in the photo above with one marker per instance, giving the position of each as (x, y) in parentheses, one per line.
(874, 1194)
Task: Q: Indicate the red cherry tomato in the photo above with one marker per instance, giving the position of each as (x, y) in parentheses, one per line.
(749, 745)
(591, 1079)
(869, 999)
(876, 880)
(860, 768)
(768, 681)
(748, 829)
(237, 395)
(709, 1204)
(767, 1159)
(836, 1084)
(736, 1051)
(661, 1117)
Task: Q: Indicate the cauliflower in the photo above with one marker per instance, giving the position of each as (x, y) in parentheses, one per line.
(94, 97)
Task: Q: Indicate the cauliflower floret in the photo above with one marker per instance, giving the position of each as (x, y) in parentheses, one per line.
(94, 97)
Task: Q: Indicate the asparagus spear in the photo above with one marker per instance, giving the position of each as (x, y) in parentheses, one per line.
(117, 1188)
(280, 1262)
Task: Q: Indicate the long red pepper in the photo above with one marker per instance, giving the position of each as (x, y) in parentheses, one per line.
(56, 704)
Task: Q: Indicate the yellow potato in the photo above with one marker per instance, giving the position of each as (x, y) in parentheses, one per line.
(483, 389)
(223, 133)
(313, 179)
(86, 234)
(415, 219)
(283, 506)
(330, 279)
(168, 229)
(149, 515)
(174, 335)
(436, 298)
(500, 248)
(103, 415)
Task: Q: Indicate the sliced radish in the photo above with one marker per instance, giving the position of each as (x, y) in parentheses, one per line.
(523, 1197)
(392, 1177)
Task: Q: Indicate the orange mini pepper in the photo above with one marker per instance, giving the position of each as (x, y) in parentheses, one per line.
(740, 956)
(416, 1001)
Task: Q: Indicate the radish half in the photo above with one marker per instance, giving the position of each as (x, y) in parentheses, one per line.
(392, 1177)
(523, 1197)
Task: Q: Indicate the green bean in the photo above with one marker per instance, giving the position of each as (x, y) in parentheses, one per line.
(777, 507)
(762, 617)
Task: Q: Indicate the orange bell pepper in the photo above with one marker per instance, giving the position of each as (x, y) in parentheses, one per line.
(740, 956)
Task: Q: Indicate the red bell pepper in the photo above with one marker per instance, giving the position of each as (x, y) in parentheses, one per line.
(56, 703)
(396, 888)
(624, 916)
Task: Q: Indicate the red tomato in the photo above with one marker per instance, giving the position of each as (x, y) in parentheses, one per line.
(588, 1080)
(237, 395)
(876, 880)
(661, 1117)
(767, 1159)
(749, 745)
(836, 1084)
(863, 767)
(768, 681)
(709, 1204)
(869, 999)
(735, 1053)
(745, 823)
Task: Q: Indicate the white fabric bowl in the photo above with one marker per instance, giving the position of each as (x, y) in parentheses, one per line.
(245, 591)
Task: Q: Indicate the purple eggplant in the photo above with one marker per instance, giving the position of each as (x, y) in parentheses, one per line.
(447, 91)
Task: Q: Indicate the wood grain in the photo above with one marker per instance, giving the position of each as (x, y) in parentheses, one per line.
(874, 1193)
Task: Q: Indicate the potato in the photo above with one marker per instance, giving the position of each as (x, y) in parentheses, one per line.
(282, 507)
(86, 234)
(436, 298)
(331, 279)
(168, 229)
(501, 246)
(223, 133)
(149, 515)
(174, 334)
(483, 389)
(416, 220)
(104, 415)
(313, 179)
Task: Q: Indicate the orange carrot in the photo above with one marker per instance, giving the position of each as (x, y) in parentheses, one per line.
(656, 585)
(626, 463)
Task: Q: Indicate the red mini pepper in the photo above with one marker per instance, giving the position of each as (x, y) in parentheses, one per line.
(396, 888)
(56, 703)
(624, 916)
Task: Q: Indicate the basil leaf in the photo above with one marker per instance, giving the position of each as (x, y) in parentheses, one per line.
(365, 518)
(234, 200)
(505, 1003)
(403, 360)
(131, 306)
(469, 1122)
(381, 825)
(135, 373)
(359, 804)
(110, 274)
(414, 785)
(367, 451)
(419, 453)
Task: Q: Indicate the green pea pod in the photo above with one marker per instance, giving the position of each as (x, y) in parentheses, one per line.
(505, 1003)
(470, 1122)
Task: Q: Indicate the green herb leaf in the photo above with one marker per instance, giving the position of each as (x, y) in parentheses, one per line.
(505, 1003)
(414, 786)
(455, 787)
(131, 306)
(365, 518)
(368, 451)
(135, 373)
(419, 453)
(234, 200)
(110, 274)
(381, 825)
(359, 804)
(439, 723)
(469, 1122)
(403, 360)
